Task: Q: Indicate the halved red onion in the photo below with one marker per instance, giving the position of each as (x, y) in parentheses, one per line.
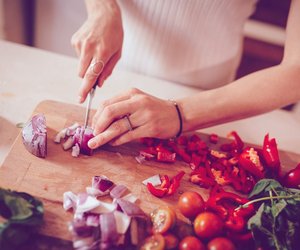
(34, 135)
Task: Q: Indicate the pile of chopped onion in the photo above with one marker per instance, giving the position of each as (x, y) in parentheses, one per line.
(75, 137)
(34, 136)
(103, 225)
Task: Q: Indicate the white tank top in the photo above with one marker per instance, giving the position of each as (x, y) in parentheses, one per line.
(192, 42)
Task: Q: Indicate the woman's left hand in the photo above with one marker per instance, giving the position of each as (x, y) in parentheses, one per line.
(131, 116)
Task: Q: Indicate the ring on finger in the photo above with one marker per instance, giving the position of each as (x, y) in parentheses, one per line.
(129, 125)
(96, 67)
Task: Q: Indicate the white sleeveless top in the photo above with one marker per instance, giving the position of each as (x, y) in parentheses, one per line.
(192, 42)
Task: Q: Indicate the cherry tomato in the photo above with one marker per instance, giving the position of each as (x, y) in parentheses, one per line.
(191, 243)
(208, 225)
(154, 242)
(220, 243)
(292, 178)
(171, 241)
(191, 204)
(163, 219)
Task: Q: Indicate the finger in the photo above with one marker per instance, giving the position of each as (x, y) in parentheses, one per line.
(119, 98)
(112, 113)
(76, 44)
(129, 136)
(109, 68)
(91, 75)
(116, 129)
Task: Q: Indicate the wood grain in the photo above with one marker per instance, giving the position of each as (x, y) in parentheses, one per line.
(49, 178)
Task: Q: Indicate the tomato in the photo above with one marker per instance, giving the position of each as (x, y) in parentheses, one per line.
(220, 243)
(171, 241)
(163, 219)
(292, 178)
(154, 242)
(183, 229)
(191, 243)
(191, 204)
(208, 225)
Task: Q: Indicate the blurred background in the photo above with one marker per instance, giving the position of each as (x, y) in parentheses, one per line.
(49, 25)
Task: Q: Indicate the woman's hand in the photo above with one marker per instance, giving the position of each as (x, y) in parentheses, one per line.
(98, 43)
(147, 116)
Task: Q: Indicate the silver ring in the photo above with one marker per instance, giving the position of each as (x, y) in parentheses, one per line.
(129, 125)
(94, 65)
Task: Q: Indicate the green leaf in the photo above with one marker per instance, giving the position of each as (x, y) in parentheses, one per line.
(19, 207)
(264, 185)
(278, 207)
(256, 220)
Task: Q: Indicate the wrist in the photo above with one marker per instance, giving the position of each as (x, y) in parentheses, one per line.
(97, 8)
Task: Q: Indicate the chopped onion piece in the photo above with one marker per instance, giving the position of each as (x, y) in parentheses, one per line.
(75, 150)
(104, 207)
(108, 228)
(154, 180)
(122, 222)
(130, 208)
(69, 143)
(69, 200)
(34, 136)
(60, 135)
(130, 197)
(102, 183)
(118, 191)
(87, 205)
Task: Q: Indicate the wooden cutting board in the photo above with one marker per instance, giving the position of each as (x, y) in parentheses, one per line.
(59, 172)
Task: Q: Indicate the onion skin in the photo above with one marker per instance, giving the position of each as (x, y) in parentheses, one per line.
(34, 136)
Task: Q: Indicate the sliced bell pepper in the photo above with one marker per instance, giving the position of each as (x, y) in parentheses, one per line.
(165, 181)
(158, 192)
(166, 157)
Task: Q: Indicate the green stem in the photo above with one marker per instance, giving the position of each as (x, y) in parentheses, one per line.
(267, 198)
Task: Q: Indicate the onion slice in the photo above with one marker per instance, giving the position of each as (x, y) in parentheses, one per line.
(34, 136)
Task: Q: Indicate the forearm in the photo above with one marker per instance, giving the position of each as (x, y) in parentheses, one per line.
(96, 8)
(251, 95)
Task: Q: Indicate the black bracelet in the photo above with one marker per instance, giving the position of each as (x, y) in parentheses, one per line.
(179, 117)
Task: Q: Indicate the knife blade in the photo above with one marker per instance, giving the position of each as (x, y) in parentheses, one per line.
(88, 107)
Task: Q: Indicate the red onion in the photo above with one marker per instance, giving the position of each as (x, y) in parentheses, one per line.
(118, 191)
(130, 208)
(34, 135)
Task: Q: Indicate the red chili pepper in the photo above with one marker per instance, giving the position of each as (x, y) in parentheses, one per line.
(214, 138)
(165, 181)
(238, 143)
(271, 155)
(249, 160)
(156, 191)
(202, 181)
(216, 189)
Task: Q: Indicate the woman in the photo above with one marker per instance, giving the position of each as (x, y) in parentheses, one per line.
(194, 42)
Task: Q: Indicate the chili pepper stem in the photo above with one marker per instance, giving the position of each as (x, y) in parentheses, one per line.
(267, 198)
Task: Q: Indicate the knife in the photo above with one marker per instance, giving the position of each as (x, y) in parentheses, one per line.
(88, 107)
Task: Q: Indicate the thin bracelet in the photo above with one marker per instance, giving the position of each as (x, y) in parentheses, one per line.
(179, 117)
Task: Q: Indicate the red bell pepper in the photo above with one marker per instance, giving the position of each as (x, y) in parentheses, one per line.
(156, 191)
(166, 157)
(249, 160)
(165, 181)
(271, 155)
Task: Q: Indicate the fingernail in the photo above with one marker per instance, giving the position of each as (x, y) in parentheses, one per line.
(92, 144)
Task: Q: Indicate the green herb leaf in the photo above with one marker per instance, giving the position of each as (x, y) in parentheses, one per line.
(264, 185)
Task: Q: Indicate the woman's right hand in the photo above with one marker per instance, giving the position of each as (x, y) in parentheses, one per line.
(98, 43)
